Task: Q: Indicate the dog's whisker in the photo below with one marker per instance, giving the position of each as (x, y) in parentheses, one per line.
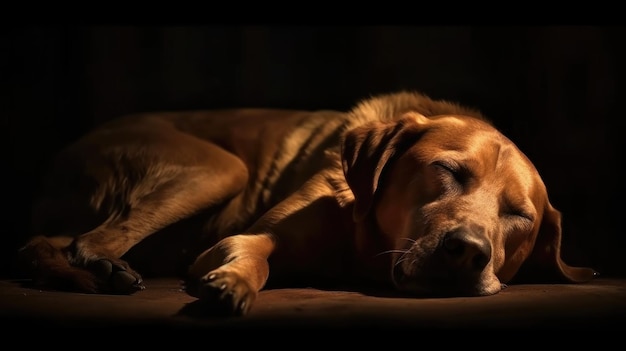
(401, 259)
(391, 251)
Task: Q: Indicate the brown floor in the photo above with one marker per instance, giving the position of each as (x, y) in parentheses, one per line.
(597, 305)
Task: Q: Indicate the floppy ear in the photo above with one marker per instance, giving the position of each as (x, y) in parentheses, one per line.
(544, 264)
(366, 150)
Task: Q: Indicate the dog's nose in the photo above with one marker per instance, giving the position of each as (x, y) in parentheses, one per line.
(470, 251)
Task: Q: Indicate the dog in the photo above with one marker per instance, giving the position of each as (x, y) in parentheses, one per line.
(404, 192)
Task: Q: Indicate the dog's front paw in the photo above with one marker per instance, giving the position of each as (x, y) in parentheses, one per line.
(116, 277)
(223, 292)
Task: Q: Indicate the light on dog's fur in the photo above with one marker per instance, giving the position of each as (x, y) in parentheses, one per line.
(272, 188)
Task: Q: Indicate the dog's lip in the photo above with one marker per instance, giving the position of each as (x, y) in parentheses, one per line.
(439, 284)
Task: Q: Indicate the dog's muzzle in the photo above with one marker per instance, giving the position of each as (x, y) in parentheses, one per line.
(455, 265)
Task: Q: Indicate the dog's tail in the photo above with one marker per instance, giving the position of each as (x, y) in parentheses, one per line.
(47, 262)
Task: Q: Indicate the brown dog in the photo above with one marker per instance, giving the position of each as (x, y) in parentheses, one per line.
(408, 192)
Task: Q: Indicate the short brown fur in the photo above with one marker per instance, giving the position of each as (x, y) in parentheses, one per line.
(403, 191)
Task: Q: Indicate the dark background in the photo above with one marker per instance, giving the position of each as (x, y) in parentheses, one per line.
(555, 91)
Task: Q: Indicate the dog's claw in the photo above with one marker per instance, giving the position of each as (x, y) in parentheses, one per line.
(123, 282)
(222, 293)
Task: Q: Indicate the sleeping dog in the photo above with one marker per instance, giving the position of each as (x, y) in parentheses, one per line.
(405, 192)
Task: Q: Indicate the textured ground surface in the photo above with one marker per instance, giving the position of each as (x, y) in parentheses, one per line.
(597, 305)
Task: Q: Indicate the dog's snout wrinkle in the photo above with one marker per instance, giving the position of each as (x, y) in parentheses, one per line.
(467, 250)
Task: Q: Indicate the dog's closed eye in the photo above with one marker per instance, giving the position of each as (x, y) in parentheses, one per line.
(454, 176)
(517, 218)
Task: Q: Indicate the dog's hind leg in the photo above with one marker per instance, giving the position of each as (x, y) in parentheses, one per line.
(204, 176)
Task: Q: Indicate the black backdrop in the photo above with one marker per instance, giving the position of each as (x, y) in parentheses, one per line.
(555, 91)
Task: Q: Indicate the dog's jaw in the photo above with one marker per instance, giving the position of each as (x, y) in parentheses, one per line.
(419, 277)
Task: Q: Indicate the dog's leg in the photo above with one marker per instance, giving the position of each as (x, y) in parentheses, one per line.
(101, 248)
(205, 176)
(227, 277)
(237, 269)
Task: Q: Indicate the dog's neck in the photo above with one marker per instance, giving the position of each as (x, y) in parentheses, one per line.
(371, 263)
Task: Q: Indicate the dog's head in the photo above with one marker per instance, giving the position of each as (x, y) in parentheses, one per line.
(461, 209)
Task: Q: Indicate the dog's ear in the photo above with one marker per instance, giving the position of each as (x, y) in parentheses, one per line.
(544, 264)
(366, 150)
